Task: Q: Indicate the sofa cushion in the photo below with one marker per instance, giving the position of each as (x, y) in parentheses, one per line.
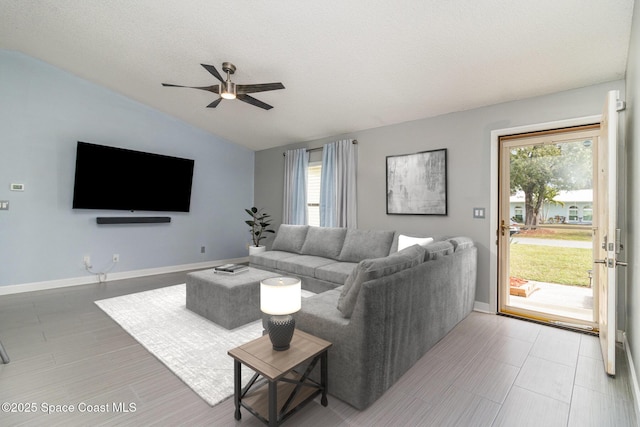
(370, 269)
(336, 272)
(303, 265)
(290, 238)
(435, 250)
(363, 244)
(321, 306)
(269, 259)
(406, 241)
(460, 243)
(324, 242)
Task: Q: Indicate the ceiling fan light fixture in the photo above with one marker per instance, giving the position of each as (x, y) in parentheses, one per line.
(228, 90)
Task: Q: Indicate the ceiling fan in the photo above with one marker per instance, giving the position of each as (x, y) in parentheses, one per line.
(229, 90)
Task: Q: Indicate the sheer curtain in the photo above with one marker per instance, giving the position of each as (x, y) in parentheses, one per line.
(338, 204)
(295, 187)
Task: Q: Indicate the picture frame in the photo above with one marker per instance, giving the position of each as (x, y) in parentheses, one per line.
(417, 183)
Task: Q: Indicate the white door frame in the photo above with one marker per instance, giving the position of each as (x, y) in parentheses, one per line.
(493, 194)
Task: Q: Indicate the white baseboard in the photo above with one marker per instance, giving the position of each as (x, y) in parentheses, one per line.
(77, 281)
(482, 307)
(635, 387)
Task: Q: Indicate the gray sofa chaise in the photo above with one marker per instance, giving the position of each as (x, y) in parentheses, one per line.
(382, 309)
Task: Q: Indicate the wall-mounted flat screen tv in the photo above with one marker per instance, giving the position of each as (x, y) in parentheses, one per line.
(121, 179)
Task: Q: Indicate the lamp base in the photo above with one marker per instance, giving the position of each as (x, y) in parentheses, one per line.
(281, 331)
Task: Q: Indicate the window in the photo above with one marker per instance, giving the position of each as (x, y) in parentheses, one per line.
(518, 214)
(587, 213)
(313, 193)
(573, 213)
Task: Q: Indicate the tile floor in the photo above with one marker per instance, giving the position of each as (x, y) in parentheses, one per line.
(489, 371)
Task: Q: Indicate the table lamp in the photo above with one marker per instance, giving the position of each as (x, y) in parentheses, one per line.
(280, 297)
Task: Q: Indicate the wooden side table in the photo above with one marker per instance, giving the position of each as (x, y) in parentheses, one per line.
(285, 391)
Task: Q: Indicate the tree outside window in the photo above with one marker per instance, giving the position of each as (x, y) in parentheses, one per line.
(542, 171)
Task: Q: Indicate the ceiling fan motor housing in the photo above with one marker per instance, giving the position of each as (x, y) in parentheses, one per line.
(228, 90)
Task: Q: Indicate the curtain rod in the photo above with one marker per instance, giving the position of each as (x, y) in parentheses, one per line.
(355, 141)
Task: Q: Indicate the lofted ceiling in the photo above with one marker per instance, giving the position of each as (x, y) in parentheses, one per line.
(346, 65)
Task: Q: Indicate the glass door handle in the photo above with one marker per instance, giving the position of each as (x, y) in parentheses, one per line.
(503, 227)
(609, 262)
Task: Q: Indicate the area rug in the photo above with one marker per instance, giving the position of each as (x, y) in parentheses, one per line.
(194, 348)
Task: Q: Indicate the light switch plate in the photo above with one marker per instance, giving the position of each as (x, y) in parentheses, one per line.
(478, 212)
(4, 205)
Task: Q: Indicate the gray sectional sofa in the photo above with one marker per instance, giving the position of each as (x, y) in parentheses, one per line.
(382, 309)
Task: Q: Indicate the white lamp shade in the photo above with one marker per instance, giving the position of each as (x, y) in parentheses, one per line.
(280, 295)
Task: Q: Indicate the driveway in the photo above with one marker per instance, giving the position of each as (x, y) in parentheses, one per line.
(552, 242)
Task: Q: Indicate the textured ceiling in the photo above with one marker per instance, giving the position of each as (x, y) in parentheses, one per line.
(346, 65)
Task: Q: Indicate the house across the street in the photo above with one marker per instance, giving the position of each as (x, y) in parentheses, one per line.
(569, 207)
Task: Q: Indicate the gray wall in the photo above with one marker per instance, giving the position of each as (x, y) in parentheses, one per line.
(466, 135)
(633, 191)
(43, 112)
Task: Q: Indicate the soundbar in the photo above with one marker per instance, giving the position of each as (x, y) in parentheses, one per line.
(132, 219)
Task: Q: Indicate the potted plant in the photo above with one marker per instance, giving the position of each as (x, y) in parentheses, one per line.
(260, 223)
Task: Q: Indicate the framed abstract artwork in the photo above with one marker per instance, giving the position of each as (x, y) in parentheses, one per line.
(417, 183)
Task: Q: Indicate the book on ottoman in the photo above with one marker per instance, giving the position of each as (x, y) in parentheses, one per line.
(231, 268)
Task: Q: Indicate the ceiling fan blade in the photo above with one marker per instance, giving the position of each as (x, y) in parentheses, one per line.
(263, 87)
(215, 103)
(250, 100)
(214, 88)
(212, 70)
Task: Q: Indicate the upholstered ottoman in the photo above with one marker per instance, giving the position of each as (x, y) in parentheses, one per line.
(230, 300)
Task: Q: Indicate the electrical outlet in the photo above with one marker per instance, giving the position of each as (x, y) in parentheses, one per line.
(116, 258)
(86, 260)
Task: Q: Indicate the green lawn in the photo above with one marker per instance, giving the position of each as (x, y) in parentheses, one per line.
(567, 266)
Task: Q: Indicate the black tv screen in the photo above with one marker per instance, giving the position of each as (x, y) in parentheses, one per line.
(121, 179)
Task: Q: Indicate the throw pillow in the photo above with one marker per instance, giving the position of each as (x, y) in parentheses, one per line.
(290, 238)
(370, 269)
(406, 241)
